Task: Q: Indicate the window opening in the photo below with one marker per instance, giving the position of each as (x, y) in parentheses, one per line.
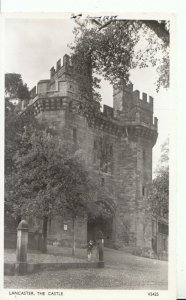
(143, 191)
(74, 135)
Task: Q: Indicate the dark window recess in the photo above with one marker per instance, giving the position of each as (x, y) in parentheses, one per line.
(144, 156)
(50, 225)
(106, 156)
(74, 135)
(70, 106)
(102, 181)
(95, 154)
(143, 191)
(163, 228)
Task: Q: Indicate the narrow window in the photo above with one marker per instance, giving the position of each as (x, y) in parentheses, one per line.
(143, 191)
(74, 135)
(144, 156)
(94, 151)
(164, 244)
(50, 226)
(70, 106)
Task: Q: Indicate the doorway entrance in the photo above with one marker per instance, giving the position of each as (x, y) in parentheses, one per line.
(97, 225)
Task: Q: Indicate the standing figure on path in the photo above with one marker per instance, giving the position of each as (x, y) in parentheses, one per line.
(89, 249)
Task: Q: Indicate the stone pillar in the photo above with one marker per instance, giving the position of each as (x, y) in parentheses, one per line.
(21, 251)
(101, 251)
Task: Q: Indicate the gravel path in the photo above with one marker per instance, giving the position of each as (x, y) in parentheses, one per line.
(122, 271)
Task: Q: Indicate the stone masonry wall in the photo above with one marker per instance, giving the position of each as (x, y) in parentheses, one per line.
(144, 177)
(127, 183)
(116, 148)
(65, 123)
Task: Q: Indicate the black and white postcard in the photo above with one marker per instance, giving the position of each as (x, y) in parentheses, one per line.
(89, 195)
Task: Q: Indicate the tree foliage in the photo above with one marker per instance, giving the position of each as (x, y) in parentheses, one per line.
(47, 179)
(112, 49)
(15, 88)
(14, 129)
(10, 134)
(159, 195)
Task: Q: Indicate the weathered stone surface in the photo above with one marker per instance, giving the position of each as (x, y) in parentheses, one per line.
(117, 148)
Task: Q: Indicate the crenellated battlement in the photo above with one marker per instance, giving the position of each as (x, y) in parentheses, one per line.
(130, 104)
(60, 92)
(146, 102)
(61, 82)
(124, 97)
(60, 69)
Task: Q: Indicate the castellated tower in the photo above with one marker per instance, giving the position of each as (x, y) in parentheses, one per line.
(116, 145)
(135, 163)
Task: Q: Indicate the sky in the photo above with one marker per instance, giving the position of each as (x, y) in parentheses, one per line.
(33, 46)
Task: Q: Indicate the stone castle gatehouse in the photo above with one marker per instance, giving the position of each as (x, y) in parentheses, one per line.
(117, 147)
